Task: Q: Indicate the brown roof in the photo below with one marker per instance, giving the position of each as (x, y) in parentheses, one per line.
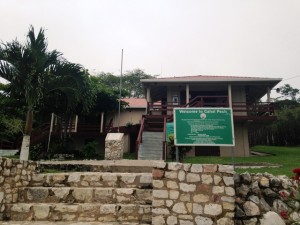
(135, 102)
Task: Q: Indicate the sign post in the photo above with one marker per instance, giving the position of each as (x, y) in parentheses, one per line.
(203, 127)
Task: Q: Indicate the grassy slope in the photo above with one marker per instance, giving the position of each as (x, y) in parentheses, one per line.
(288, 157)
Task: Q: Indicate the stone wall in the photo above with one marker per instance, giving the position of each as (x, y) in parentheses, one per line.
(189, 194)
(262, 198)
(14, 174)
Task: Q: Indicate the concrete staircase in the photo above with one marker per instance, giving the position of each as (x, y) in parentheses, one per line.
(151, 147)
(103, 197)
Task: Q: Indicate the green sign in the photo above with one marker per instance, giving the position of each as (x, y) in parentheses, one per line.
(203, 126)
(169, 130)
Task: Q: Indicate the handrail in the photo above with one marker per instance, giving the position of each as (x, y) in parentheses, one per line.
(164, 139)
(139, 139)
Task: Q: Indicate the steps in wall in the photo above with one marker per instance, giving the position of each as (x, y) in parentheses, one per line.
(117, 198)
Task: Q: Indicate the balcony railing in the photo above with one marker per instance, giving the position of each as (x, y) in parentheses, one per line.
(240, 109)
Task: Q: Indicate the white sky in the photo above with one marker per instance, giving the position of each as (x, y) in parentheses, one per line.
(167, 37)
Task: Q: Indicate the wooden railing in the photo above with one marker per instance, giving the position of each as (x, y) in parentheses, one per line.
(139, 139)
(239, 108)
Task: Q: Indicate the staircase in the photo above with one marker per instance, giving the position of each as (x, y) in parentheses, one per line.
(151, 147)
(103, 197)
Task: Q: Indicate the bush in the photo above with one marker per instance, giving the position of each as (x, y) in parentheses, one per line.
(90, 150)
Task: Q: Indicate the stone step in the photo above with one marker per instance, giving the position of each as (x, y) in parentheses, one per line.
(79, 212)
(92, 179)
(66, 223)
(85, 195)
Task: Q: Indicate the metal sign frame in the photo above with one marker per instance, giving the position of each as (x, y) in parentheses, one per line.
(198, 125)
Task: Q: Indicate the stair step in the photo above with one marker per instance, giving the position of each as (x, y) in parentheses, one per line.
(79, 212)
(85, 195)
(67, 223)
(92, 179)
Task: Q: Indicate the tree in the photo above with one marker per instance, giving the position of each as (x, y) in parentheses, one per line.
(288, 92)
(25, 67)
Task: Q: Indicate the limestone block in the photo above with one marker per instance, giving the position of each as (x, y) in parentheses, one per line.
(225, 221)
(187, 187)
(158, 173)
(61, 193)
(158, 183)
(74, 178)
(174, 194)
(108, 209)
(186, 222)
(271, 218)
(38, 177)
(189, 207)
(213, 209)
(160, 211)
(104, 194)
(185, 197)
(1, 196)
(251, 209)
(179, 208)
(172, 184)
(197, 209)
(229, 191)
(201, 198)
(158, 220)
(228, 206)
(218, 189)
(252, 221)
(264, 182)
(124, 191)
(64, 208)
(171, 174)
(181, 175)
(146, 179)
(187, 167)
(192, 177)
(160, 194)
(172, 220)
(196, 168)
(206, 179)
(21, 208)
(37, 194)
(160, 165)
(217, 179)
(169, 203)
(210, 168)
(114, 146)
(41, 212)
(200, 220)
(228, 181)
(127, 178)
(226, 169)
(158, 203)
(83, 194)
(174, 166)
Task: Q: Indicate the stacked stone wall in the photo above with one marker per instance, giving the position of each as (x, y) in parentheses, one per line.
(263, 198)
(189, 194)
(14, 174)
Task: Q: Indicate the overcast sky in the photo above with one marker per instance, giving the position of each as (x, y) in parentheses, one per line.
(167, 37)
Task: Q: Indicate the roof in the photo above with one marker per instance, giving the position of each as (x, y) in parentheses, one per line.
(135, 102)
(212, 78)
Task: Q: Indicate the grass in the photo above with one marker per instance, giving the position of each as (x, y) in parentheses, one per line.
(287, 157)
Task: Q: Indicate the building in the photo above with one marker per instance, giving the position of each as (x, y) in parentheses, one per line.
(242, 94)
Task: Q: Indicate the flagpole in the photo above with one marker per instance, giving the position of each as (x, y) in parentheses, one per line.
(120, 93)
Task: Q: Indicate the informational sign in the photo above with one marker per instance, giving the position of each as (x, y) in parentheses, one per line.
(203, 126)
(169, 130)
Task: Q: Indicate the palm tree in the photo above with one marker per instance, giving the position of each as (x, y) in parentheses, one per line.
(25, 66)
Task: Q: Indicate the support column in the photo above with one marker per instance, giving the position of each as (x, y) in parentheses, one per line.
(187, 94)
(148, 98)
(102, 122)
(269, 95)
(229, 96)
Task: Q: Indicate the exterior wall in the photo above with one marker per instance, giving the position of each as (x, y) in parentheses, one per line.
(14, 174)
(131, 115)
(241, 148)
(193, 194)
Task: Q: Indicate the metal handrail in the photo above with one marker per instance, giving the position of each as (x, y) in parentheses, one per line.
(139, 139)
(164, 139)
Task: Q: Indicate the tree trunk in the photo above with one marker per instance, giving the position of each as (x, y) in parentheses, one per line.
(24, 154)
